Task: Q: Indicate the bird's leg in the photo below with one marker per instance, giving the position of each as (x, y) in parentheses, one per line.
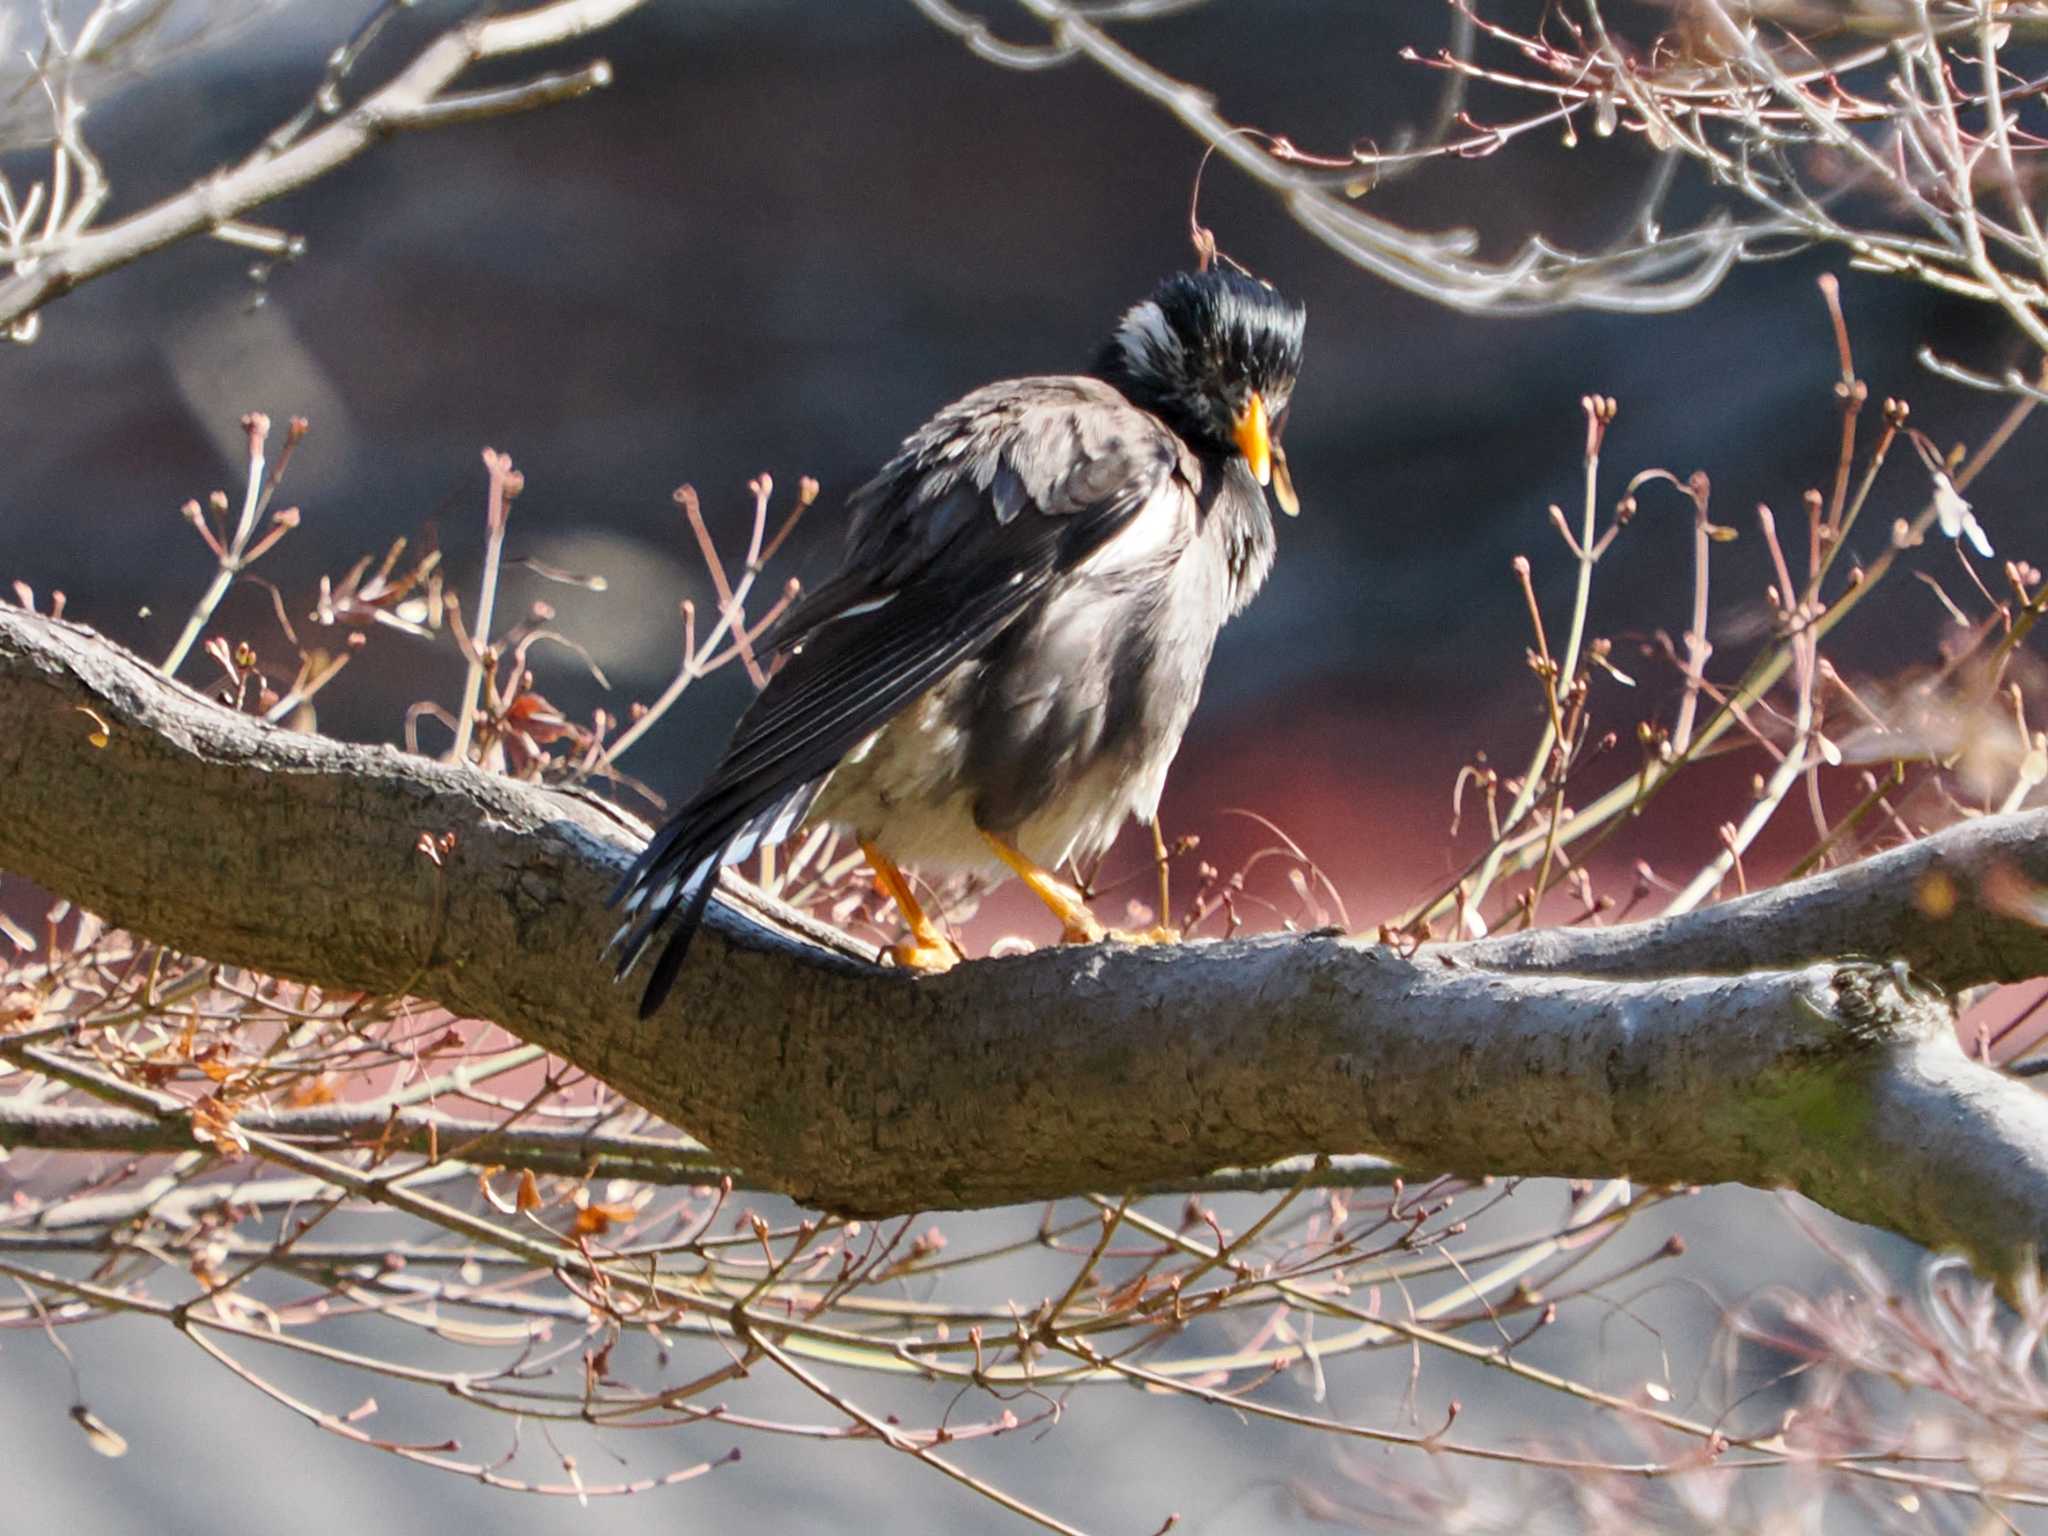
(1077, 923)
(927, 948)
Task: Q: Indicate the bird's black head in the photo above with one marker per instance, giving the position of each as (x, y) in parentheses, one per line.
(1214, 355)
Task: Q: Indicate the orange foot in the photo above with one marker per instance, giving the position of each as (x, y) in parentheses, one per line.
(928, 949)
(1077, 924)
(1158, 933)
(928, 956)
(1093, 932)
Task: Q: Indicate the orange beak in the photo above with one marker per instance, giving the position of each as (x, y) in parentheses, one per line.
(1253, 440)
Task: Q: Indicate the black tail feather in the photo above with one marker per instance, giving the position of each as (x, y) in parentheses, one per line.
(670, 884)
(677, 950)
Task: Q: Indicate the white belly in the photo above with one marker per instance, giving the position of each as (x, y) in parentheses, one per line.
(900, 789)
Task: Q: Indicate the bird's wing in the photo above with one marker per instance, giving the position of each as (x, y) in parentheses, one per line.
(948, 509)
(982, 510)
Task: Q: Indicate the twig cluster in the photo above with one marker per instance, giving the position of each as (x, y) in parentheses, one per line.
(50, 241)
(1873, 764)
(1902, 132)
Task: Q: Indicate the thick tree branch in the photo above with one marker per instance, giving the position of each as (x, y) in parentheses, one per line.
(863, 1090)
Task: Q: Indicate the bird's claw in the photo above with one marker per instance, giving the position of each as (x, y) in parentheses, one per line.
(1084, 929)
(1158, 933)
(927, 956)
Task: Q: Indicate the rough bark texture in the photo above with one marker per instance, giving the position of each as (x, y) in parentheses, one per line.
(862, 1090)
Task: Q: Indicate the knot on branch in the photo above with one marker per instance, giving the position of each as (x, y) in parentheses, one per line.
(1884, 1003)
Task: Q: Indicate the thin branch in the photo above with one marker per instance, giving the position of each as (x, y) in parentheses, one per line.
(1671, 273)
(45, 270)
(570, 1150)
(567, 1150)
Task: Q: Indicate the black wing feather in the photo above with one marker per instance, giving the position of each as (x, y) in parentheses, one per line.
(957, 536)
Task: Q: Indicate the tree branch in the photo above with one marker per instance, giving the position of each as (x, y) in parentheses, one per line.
(564, 1149)
(47, 269)
(862, 1090)
(572, 1150)
(1992, 871)
(1674, 271)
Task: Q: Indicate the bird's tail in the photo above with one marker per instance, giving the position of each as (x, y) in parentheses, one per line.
(677, 870)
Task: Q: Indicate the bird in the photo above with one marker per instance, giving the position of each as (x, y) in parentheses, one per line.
(1000, 670)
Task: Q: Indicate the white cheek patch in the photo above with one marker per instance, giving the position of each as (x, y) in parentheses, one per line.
(1146, 338)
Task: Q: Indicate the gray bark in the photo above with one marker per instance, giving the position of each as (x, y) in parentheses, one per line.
(861, 1090)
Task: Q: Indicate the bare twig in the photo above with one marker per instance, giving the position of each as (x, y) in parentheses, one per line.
(69, 252)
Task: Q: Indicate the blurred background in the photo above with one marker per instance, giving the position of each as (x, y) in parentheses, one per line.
(782, 238)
